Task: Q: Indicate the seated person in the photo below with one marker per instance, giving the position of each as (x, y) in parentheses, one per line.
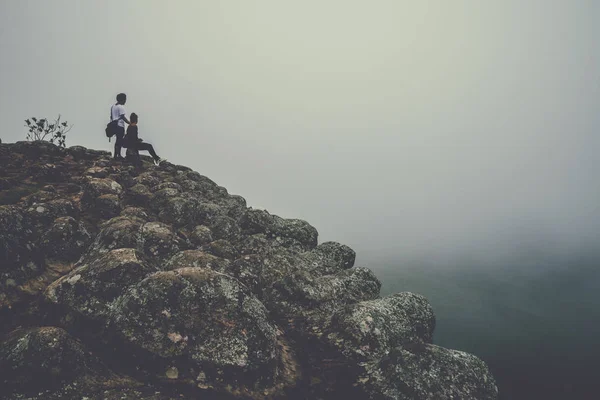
(132, 141)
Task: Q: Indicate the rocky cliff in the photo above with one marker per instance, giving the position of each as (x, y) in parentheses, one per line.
(156, 283)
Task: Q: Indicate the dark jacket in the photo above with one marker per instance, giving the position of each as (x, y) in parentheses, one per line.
(131, 138)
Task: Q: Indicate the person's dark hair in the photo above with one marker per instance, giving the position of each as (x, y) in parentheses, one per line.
(133, 118)
(121, 98)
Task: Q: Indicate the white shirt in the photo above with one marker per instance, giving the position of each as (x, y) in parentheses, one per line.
(115, 113)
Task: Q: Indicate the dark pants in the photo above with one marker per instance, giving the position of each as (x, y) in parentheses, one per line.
(120, 133)
(144, 146)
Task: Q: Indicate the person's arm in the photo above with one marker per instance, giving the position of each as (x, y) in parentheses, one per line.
(124, 118)
(122, 114)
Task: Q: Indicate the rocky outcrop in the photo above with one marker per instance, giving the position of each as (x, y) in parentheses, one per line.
(123, 282)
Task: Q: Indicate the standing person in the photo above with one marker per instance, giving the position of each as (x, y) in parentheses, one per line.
(117, 112)
(132, 141)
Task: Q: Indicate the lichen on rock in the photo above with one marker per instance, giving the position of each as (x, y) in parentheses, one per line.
(156, 283)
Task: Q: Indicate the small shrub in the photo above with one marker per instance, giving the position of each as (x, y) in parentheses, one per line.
(40, 129)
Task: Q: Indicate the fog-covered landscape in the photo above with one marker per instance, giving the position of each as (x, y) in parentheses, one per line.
(453, 145)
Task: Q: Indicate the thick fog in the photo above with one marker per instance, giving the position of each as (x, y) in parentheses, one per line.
(415, 132)
(453, 144)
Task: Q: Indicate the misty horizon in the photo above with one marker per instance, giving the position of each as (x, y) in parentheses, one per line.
(428, 137)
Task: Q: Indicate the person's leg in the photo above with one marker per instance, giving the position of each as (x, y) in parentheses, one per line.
(119, 141)
(147, 147)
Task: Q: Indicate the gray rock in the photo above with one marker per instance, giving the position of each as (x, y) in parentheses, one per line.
(223, 227)
(147, 179)
(95, 187)
(160, 241)
(371, 329)
(47, 361)
(197, 259)
(169, 278)
(301, 299)
(426, 371)
(107, 206)
(200, 325)
(221, 248)
(136, 212)
(260, 221)
(41, 215)
(91, 288)
(201, 235)
(138, 195)
(66, 240)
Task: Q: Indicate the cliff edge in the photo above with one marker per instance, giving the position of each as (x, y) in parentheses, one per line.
(119, 282)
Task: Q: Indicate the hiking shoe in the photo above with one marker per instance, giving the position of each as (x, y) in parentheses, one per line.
(157, 162)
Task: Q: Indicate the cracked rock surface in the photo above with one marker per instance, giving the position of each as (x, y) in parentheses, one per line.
(123, 282)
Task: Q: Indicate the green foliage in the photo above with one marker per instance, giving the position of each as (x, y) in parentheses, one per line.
(40, 129)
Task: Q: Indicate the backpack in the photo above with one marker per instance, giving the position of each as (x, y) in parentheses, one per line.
(111, 127)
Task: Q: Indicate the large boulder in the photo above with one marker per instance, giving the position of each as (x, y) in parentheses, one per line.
(91, 288)
(290, 230)
(201, 235)
(202, 326)
(160, 241)
(371, 329)
(301, 299)
(95, 187)
(153, 239)
(66, 240)
(426, 371)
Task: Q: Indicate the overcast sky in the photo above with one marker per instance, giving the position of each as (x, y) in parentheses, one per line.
(405, 129)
